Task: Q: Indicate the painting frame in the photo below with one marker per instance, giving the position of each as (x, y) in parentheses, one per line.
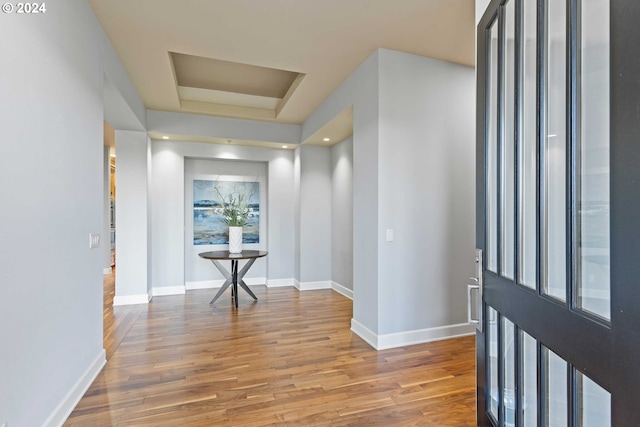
(209, 227)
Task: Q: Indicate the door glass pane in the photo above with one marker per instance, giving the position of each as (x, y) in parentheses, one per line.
(555, 151)
(593, 284)
(508, 373)
(508, 146)
(594, 404)
(528, 146)
(529, 381)
(492, 151)
(492, 336)
(555, 392)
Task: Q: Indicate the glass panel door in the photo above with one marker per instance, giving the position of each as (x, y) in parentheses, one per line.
(558, 202)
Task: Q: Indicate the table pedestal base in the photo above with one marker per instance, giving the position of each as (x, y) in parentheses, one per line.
(233, 279)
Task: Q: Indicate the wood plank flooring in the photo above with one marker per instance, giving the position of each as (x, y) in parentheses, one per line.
(287, 360)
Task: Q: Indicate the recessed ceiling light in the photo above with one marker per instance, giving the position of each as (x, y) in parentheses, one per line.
(326, 139)
(284, 146)
(165, 137)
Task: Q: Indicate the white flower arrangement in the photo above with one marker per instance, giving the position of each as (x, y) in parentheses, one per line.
(235, 208)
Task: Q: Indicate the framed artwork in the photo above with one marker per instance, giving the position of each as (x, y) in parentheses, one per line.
(209, 198)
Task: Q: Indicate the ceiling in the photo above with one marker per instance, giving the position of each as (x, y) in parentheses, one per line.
(272, 60)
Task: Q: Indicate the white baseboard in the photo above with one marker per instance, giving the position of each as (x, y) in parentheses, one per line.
(420, 336)
(167, 290)
(312, 286)
(325, 284)
(131, 299)
(208, 284)
(279, 283)
(365, 333)
(342, 290)
(107, 270)
(64, 409)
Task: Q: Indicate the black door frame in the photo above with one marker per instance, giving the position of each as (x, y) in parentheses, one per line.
(625, 210)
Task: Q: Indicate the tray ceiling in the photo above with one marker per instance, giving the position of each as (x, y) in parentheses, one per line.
(273, 60)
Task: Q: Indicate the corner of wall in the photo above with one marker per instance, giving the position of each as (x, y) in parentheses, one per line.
(278, 283)
(131, 299)
(77, 391)
(407, 338)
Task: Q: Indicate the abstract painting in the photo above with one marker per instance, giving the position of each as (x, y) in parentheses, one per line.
(209, 227)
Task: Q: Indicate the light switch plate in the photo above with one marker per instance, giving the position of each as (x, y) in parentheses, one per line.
(94, 240)
(390, 235)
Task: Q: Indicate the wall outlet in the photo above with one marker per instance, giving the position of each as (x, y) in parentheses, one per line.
(94, 242)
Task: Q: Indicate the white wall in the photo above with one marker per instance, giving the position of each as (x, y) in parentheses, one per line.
(198, 125)
(296, 214)
(200, 272)
(342, 213)
(168, 209)
(149, 216)
(360, 90)
(51, 166)
(280, 217)
(315, 217)
(131, 218)
(413, 171)
(167, 215)
(427, 191)
(117, 111)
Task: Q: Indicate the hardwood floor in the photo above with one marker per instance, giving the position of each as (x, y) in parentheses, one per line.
(287, 360)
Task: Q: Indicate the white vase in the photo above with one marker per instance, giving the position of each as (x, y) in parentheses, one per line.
(235, 240)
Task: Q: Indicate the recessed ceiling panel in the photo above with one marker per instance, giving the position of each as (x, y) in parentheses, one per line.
(227, 98)
(215, 74)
